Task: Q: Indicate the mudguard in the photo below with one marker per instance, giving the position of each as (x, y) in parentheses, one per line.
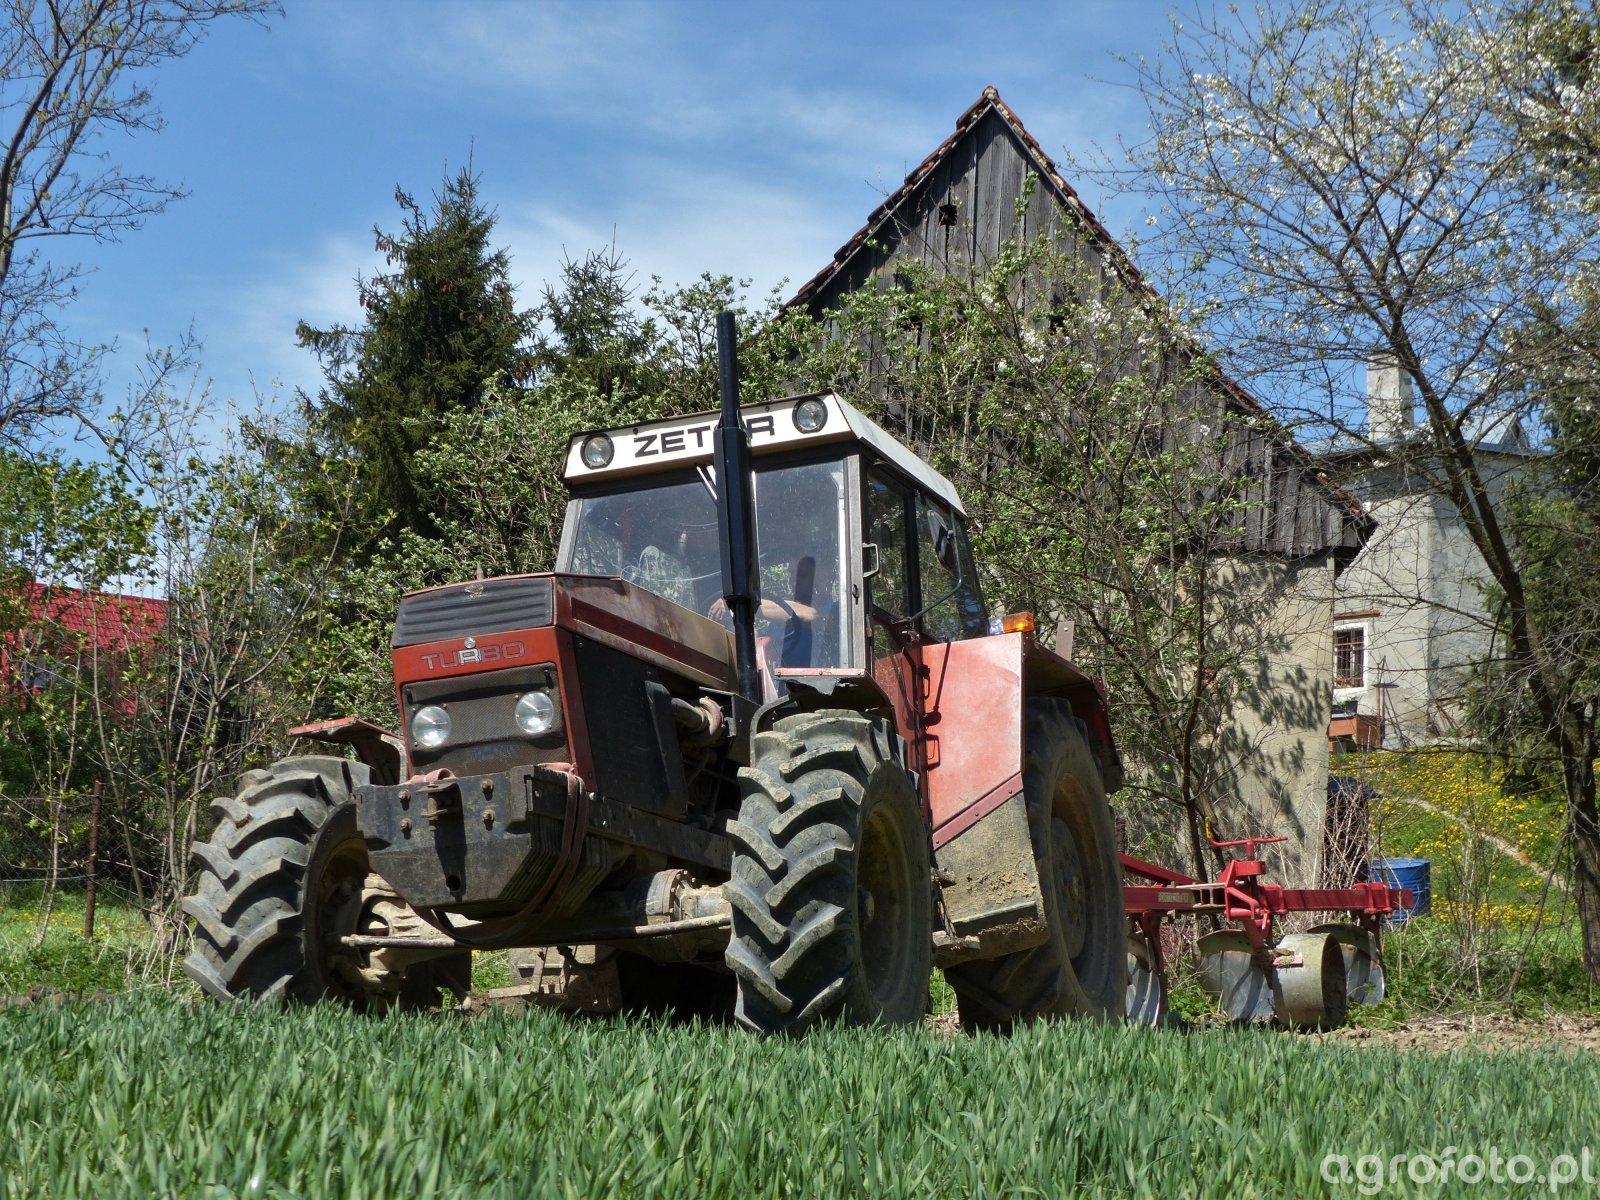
(971, 751)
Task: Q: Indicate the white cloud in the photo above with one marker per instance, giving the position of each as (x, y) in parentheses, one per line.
(630, 73)
(250, 327)
(690, 222)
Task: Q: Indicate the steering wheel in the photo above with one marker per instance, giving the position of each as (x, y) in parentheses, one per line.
(633, 572)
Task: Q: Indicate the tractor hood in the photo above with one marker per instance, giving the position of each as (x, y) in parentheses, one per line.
(462, 628)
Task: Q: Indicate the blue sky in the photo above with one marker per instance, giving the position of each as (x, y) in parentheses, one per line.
(750, 139)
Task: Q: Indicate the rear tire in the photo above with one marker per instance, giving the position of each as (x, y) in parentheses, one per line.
(283, 876)
(832, 879)
(1081, 969)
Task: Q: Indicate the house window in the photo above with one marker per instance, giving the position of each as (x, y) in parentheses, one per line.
(1350, 658)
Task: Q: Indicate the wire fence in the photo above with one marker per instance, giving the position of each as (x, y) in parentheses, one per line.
(44, 877)
(44, 836)
(70, 843)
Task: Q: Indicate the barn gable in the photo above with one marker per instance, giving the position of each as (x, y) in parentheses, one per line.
(956, 210)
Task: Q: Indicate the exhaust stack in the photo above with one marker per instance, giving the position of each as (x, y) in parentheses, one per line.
(741, 581)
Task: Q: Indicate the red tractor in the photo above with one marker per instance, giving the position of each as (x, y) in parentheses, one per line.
(755, 740)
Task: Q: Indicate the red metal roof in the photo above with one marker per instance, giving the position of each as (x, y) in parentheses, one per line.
(109, 620)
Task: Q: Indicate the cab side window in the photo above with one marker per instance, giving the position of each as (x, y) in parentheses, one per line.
(889, 590)
(948, 578)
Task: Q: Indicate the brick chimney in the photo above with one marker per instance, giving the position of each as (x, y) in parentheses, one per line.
(1391, 406)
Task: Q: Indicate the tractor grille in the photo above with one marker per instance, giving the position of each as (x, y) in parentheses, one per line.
(468, 609)
(483, 727)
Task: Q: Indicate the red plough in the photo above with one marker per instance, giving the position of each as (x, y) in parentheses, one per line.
(1301, 980)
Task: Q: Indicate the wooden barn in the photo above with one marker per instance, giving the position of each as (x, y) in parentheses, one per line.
(954, 213)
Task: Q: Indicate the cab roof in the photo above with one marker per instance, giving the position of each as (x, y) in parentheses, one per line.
(687, 441)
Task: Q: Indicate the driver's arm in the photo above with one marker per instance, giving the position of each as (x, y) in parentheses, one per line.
(771, 608)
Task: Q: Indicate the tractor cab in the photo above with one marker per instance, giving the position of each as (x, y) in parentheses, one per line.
(862, 546)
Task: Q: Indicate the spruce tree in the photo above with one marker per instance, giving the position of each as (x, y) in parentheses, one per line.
(442, 328)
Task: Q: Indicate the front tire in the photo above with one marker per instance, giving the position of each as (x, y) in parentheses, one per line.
(1081, 969)
(832, 880)
(283, 876)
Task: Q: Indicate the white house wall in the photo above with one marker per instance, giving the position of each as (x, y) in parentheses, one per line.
(1274, 743)
(1424, 577)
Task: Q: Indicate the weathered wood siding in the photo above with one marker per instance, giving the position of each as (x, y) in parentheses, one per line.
(956, 211)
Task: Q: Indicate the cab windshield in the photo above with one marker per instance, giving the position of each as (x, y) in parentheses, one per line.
(663, 538)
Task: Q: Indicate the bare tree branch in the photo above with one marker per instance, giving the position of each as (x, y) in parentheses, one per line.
(73, 73)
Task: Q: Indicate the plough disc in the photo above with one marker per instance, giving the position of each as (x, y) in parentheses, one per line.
(1363, 962)
(1147, 987)
(1310, 994)
(1229, 974)
(1306, 990)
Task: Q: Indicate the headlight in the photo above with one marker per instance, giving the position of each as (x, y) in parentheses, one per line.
(597, 451)
(810, 415)
(430, 726)
(536, 713)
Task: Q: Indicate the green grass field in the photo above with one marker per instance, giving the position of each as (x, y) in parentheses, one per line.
(153, 1092)
(149, 1095)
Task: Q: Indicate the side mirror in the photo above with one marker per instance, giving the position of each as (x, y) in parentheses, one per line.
(946, 551)
(944, 542)
(870, 562)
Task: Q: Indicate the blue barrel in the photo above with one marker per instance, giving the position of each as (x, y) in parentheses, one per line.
(1413, 873)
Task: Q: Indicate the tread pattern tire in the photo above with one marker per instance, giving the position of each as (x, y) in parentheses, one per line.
(831, 889)
(253, 934)
(1081, 969)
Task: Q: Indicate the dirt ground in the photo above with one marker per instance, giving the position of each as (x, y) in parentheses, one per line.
(1497, 1032)
(1438, 1035)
